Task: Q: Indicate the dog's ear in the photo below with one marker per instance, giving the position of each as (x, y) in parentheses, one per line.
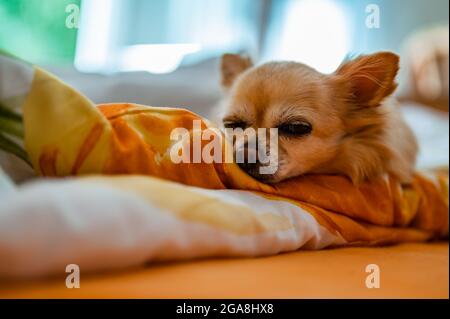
(231, 66)
(371, 77)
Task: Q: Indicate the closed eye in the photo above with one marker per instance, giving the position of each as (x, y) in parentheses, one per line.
(235, 124)
(295, 129)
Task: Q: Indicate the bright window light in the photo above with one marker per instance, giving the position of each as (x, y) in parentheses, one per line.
(99, 51)
(315, 33)
(155, 58)
(94, 36)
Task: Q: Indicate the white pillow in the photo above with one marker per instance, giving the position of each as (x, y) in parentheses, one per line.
(431, 128)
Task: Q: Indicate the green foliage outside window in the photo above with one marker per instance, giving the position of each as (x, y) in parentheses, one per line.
(36, 31)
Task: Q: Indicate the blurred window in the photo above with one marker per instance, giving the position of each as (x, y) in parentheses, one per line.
(160, 35)
(155, 35)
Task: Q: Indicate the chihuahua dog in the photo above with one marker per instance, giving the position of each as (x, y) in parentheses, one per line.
(343, 123)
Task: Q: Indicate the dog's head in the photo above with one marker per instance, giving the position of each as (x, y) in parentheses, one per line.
(320, 117)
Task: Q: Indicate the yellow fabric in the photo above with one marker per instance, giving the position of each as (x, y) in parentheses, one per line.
(190, 205)
(66, 134)
(57, 136)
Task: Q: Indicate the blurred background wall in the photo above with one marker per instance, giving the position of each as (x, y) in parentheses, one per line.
(123, 35)
(143, 51)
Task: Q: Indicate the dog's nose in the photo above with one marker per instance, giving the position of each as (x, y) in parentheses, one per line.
(250, 168)
(249, 162)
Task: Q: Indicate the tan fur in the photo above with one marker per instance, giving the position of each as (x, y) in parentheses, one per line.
(357, 130)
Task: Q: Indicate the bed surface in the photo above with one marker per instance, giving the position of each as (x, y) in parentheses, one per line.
(406, 271)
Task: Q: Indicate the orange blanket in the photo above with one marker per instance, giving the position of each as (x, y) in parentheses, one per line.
(66, 134)
(383, 202)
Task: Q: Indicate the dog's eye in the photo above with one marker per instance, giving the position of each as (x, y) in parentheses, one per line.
(235, 124)
(295, 129)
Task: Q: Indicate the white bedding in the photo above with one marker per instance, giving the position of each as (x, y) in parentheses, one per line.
(47, 225)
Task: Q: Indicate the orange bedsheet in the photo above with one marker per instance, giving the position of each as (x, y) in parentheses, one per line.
(406, 271)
